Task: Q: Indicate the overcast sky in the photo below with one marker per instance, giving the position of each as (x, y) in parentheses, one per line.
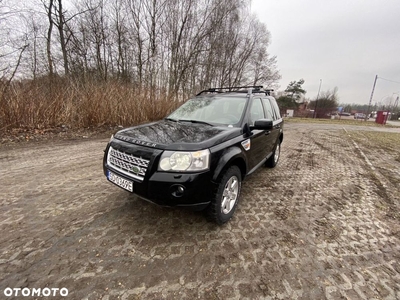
(343, 42)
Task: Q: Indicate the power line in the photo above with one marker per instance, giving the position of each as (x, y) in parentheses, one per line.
(388, 80)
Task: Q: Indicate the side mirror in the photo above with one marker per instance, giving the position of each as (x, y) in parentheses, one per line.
(263, 124)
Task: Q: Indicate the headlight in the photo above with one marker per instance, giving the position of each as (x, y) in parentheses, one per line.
(184, 161)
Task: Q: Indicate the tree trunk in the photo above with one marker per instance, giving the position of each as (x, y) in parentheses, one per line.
(48, 42)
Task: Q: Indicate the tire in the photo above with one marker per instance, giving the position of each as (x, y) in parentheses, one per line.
(272, 161)
(226, 196)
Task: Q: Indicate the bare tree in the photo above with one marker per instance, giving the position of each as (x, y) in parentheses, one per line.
(121, 32)
(176, 45)
(13, 43)
(49, 6)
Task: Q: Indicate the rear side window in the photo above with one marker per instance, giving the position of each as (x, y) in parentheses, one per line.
(268, 110)
(276, 108)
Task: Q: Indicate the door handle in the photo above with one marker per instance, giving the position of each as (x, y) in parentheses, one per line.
(267, 132)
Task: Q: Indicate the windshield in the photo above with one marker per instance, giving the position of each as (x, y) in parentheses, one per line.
(217, 110)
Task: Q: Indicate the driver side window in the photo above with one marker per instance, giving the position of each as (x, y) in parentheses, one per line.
(256, 111)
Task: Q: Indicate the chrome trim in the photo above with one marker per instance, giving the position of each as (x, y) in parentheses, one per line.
(125, 163)
(276, 122)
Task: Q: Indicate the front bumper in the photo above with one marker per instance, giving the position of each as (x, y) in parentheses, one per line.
(192, 190)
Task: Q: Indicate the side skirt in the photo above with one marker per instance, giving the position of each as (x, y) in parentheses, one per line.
(259, 165)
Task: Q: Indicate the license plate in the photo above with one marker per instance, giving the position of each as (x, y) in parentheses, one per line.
(125, 184)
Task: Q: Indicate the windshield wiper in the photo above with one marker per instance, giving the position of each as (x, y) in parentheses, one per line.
(170, 119)
(195, 121)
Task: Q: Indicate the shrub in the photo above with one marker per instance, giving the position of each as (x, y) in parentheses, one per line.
(44, 103)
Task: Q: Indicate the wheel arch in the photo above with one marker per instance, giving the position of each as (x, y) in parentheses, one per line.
(232, 156)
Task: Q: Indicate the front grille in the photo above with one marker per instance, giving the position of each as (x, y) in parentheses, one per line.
(127, 163)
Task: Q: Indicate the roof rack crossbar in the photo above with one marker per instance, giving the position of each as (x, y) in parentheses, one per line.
(250, 89)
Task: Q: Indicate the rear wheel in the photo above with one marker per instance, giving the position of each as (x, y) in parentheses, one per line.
(272, 161)
(226, 197)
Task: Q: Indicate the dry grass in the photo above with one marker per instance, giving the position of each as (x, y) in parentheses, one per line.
(44, 104)
(387, 141)
(383, 149)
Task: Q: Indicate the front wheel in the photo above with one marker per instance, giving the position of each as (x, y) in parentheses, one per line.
(226, 197)
(272, 161)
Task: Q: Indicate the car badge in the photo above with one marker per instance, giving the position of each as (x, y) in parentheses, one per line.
(246, 145)
(135, 169)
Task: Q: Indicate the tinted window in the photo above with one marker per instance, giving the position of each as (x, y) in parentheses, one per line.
(256, 111)
(215, 110)
(268, 110)
(276, 108)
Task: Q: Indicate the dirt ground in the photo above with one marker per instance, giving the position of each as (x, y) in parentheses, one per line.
(324, 224)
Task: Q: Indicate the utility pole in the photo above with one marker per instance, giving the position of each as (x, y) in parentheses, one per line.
(370, 100)
(316, 101)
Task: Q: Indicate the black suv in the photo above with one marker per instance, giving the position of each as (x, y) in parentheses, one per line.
(198, 156)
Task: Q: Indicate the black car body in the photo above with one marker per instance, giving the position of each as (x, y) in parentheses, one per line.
(198, 155)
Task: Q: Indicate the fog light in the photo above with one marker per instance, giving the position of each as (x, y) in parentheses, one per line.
(177, 190)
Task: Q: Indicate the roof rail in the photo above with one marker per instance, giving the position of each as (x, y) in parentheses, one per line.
(249, 89)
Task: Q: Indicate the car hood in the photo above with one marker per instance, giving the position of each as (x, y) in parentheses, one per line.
(171, 135)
